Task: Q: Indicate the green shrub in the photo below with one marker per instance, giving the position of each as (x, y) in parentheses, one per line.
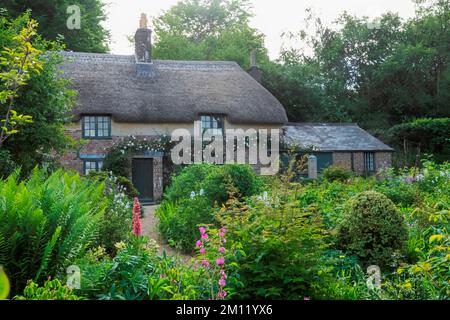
(127, 186)
(279, 247)
(336, 173)
(117, 223)
(214, 181)
(4, 285)
(138, 273)
(179, 223)
(7, 165)
(189, 200)
(47, 223)
(52, 290)
(428, 135)
(400, 193)
(349, 285)
(190, 179)
(373, 230)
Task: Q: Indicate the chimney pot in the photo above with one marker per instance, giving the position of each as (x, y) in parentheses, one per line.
(143, 41)
(253, 58)
(143, 23)
(254, 70)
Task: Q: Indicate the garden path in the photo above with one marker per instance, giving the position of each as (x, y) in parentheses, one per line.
(149, 225)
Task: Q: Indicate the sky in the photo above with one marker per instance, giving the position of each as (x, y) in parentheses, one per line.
(272, 17)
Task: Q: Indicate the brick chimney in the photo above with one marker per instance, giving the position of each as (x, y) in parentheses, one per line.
(254, 70)
(143, 41)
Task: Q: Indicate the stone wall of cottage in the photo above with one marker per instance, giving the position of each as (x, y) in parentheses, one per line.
(344, 159)
(72, 160)
(383, 160)
(358, 163)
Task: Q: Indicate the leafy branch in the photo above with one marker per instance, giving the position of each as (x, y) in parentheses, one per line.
(16, 65)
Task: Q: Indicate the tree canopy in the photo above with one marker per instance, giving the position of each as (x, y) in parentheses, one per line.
(46, 97)
(52, 17)
(375, 73)
(429, 136)
(207, 30)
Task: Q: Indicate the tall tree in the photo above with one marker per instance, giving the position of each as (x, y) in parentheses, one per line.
(17, 64)
(53, 15)
(208, 30)
(46, 97)
(377, 74)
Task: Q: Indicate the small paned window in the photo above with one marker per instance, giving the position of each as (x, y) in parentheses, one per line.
(96, 127)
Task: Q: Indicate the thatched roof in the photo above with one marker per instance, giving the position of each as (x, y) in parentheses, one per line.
(174, 92)
(330, 137)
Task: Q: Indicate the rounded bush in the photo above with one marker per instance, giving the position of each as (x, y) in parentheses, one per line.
(214, 181)
(192, 195)
(372, 229)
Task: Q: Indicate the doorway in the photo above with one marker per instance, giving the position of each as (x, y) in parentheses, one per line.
(142, 177)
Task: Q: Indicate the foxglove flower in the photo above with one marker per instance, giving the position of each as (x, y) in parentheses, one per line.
(136, 217)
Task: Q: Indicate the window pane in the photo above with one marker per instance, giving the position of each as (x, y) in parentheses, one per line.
(92, 166)
(96, 126)
(369, 162)
(212, 125)
(87, 167)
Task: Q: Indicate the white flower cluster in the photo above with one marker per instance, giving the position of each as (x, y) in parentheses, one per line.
(445, 174)
(120, 199)
(201, 193)
(133, 143)
(265, 198)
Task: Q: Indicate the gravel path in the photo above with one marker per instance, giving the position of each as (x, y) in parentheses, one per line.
(150, 229)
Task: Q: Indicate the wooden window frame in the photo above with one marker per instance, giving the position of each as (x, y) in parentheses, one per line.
(214, 118)
(97, 167)
(369, 159)
(96, 129)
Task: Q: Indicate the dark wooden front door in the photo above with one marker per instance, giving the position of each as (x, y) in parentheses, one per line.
(143, 178)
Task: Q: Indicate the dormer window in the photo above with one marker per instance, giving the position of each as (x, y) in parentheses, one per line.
(96, 127)
(212, 124)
